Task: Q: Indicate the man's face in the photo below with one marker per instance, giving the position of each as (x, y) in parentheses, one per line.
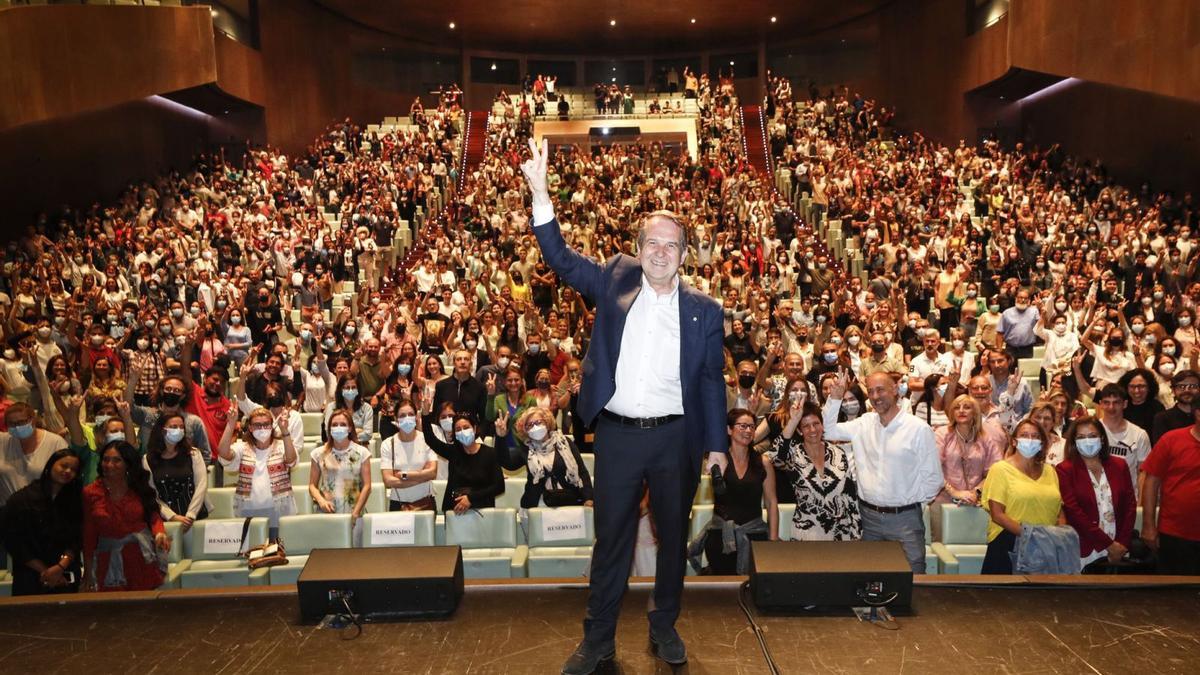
(462, 362)
(1185, 391)
(980, 389)
(661, 253)
(214, 385)
(793, 366)
(1113, 407)
(372, 348)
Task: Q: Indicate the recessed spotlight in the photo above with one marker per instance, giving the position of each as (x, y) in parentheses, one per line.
(693, 21)
(452, 26)
(493, 66)
(731, 62)
(614, 70)
(612, 22)
(213, 12)
(614, 79)
(773, 19)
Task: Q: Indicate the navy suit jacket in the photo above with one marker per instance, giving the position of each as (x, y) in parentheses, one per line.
(613, 287)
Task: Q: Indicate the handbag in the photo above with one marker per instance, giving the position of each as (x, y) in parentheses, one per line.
(269, 554)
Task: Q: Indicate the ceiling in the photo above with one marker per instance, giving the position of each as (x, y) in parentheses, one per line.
(582, 26)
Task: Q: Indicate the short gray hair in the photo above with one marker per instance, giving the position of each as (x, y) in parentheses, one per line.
(668, 215)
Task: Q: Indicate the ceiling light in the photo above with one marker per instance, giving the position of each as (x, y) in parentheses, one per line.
(451, 25)
(693, 21)
(773, 19)
(731, 62)
(493, 66)
(612, 22)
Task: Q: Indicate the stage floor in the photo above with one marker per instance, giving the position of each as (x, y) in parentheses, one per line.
(531, 629)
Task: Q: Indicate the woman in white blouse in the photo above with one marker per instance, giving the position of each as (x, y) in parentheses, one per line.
(408, 464)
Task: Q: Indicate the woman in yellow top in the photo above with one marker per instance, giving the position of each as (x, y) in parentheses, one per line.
(1020, 489)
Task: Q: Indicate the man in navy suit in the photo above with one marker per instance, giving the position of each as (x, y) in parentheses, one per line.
(653, 381)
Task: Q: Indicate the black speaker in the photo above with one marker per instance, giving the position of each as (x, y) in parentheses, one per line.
(800, 576)
(381, 584)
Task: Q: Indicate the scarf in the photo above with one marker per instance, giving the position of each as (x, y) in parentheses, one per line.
(541, 459)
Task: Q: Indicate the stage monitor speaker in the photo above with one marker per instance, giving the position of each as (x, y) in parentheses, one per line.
(801, 576)
(381, 584)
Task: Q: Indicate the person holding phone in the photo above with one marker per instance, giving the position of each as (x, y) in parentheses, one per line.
(41, 528)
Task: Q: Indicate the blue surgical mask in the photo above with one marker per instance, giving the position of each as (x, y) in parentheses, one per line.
(465, 436)
(407, 424)
(339, 433)
(830, 357)
(404, 369)
(1029, 447)
(902, 388)
(114, 437)
(21, 431)
(1088, 447)
(447, 424)
(173, 435)
(349, 394)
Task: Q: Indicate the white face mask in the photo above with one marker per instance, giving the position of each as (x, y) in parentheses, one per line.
(537, 432)
(263, 435)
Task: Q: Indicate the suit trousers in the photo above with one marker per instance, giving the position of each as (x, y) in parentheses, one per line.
(627, 457)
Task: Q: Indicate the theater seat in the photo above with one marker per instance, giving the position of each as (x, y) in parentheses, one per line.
(313, 421)
(786, 512)
(513, 489)
(377, 501)
(221, 500)
(300, 474)
(589, 460)
(301, 534)
(488, 538)
(176, 563)
(704, 490)
(213, 569)
(964, 536)
(570, 557)
(423, 522)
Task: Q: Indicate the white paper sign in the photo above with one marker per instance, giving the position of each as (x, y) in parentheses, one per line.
(564, 523)
(222, 537)
(398, 528)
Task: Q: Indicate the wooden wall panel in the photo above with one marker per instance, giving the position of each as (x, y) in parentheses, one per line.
(240, 70)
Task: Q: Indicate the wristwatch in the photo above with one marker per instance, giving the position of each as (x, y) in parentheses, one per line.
(403, 475)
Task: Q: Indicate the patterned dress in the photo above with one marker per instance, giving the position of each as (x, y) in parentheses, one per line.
(826, 503)
(341, 475)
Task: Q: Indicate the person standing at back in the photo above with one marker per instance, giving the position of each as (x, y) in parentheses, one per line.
(899, 467)
(654, 379)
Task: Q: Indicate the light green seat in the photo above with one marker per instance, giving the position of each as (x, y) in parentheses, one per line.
(513, 489)
(300, 474)
(377, 501)
(221, 500)
(313, 422)
(937, 559)
(176, 563)
(439, 489)
(964, 536)
(589, 460)
(423, 526)
(217, 570)
(569, 557)
(1029, 367)
(488, 538)
(786, 511)
(301, 534)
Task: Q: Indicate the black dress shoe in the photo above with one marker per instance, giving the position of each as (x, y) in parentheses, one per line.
(669, 647)
(588, 657)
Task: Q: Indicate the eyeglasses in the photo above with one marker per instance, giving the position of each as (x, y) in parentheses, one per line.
(743, 426)
(1187, 387)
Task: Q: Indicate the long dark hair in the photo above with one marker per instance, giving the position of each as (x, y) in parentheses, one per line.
(157, 443)
(69, 501)
(136, 477)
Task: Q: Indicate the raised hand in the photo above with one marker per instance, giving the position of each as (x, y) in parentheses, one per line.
(534, 169)
(502, 424)
(491, 384)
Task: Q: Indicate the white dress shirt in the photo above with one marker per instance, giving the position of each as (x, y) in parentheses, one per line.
(897, 464)
(647, 373)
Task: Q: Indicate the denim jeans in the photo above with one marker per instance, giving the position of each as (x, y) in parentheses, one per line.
(907, 527)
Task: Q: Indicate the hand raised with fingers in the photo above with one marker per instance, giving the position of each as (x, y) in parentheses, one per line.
(534, 169)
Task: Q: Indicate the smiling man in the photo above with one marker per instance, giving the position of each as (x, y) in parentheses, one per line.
(653, 377)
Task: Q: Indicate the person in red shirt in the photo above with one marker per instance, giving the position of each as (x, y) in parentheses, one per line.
(208, 401)
(1172, 487)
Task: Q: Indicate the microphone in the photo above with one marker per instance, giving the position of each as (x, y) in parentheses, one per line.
(718, 481)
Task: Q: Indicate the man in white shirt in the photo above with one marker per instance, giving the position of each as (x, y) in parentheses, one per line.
(927, 363)
(899, 468)
(1125, 439)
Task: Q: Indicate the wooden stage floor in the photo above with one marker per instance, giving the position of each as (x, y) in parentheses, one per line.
(531, 629)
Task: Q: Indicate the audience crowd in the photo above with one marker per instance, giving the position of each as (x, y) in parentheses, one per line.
(1024, 322)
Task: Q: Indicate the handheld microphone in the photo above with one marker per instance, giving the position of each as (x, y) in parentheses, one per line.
(718, 481)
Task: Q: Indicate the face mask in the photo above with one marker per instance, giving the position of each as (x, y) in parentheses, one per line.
(912, 324)
(941, 390)
(471, 344)
(465, 436)
(1169, 351)
(1137, 328)
(403, 368)
(339, 433)
(535, 348)
(797, 316)
(116, 436)
(851, 406)
(537, 432)
(329, 344)
(262, 435)
(821, 318)
(177, 312)
(111, 318)
(447, 424)
(97, 340)
(1185, 321)
(350, 330)
(878, 347)
(502, 362)
(1166, 369)
(1029, 447)
(407, 423)
(902, 388)
(173, 435)
(836, 340)
(994, 309)
(854, 340)
(21, 431)
(958, 344)
(43, 333)
(1022, 306)
(1088, 447)
(830, 357)
(171, 398)
(1060, 329)
(972, 294)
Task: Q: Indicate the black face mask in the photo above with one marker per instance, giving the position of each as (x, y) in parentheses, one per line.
(276, 401)
(746, 381)
(1115, 341)
(171, 399)
(877, 347)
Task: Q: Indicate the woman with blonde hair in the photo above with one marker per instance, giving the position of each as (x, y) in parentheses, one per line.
(556, 473)
(968, 446)
(264, 457)
(340, 476)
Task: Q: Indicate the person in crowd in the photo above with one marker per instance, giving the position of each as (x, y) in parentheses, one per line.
(1097, 496)
(408, 464)
(339, 479)
(171, 398)
(968, 446)
(827, 502)
(1125, 439)
(1184, 385)
(263, 459)
(897, 462)
(1016, 327)
(348, 396)
(177, 472)
(124, 541)
(476, 478)
(930, 405)
(1046, 416)
(1170, 500)
(507, 406)
(24, 449)
(1142, 387)
(556, 473)
(1021, 489)
(41, 527)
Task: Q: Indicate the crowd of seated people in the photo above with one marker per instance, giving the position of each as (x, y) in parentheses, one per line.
(1039, 316)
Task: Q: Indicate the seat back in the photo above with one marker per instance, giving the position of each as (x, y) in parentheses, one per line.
(964, 524)
(301, 534)
(222, 502)
(377, 501)
(218, 538)
(786, 513)
(439, 489)
(422, 529)
(547, 527)
(485, 528)
(175, 533)
(313, 421)
(300, 474)
(513, 489)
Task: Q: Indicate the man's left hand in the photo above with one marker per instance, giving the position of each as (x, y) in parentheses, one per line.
(716, 459)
